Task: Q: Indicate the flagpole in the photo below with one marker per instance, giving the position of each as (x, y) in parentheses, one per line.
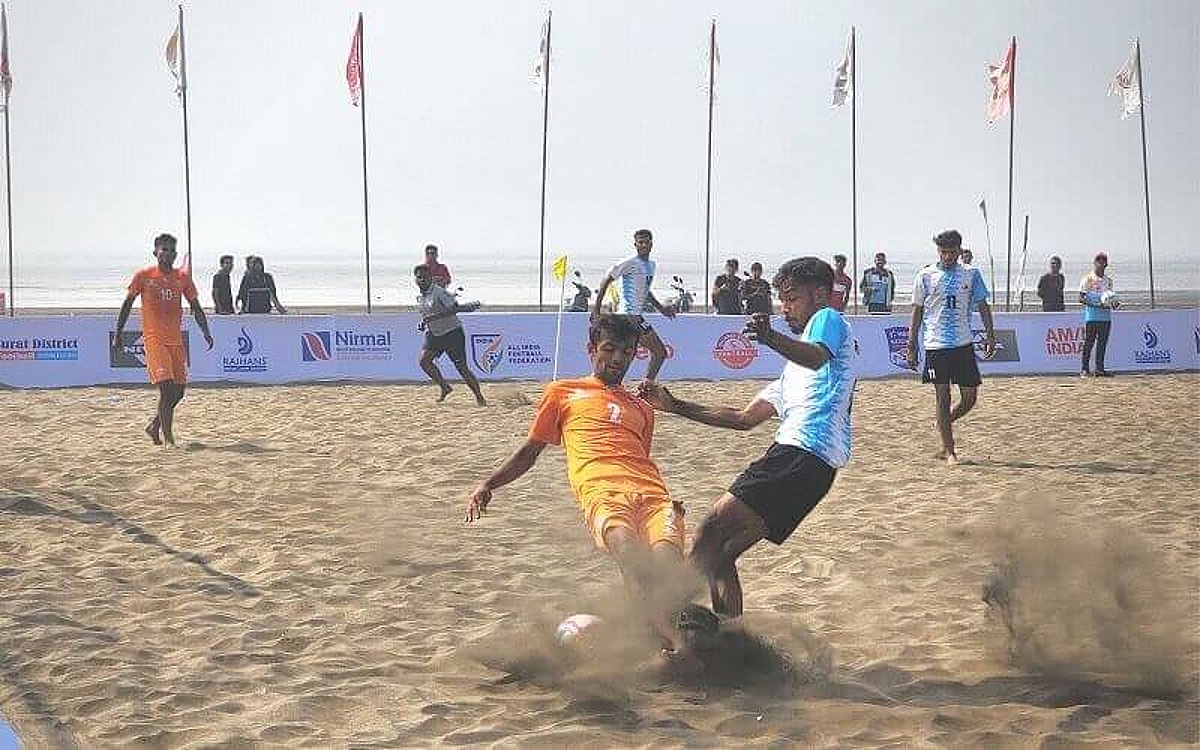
(1012, 113)
(1145, 172)
(854, 167)
(187, 163)
(712, 47)
(12, 305)
(1021, 272)
(987, 228)
(362, 111)
(545, 137)
(562, 287)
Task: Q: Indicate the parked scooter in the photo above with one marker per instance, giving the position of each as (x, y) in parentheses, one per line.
(582, 301)
(683, 299)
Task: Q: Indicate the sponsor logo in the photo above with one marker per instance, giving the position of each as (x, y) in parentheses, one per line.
(897, 342)
(1152, 354)
(1006, 345)
(322, 346)
(39, 348)
(132, 352)
(735, 351)
(644, 353)
(245, 360)
(491, 352)
(1064, 341)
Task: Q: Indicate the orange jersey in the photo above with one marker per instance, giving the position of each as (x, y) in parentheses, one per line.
(162, 312)
(606, 433)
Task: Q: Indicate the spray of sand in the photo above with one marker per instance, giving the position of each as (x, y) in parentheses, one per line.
(1093, 600)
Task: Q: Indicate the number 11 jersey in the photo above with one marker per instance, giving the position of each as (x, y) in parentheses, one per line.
(948, 295)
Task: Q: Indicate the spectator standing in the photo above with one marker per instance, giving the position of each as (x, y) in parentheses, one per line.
(879, 286)
(756, 291)
(967, 258)
(727, 290)
(222, 291)
(439, 272)
(1096, 293)
(842, 284)
(1051, 285)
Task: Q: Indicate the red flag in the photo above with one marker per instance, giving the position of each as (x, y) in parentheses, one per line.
(354, 75)
(5, 75)
(1000, 77)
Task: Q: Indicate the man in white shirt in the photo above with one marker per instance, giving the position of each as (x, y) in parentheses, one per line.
(812, 398)
(634, 276)
(443, 333)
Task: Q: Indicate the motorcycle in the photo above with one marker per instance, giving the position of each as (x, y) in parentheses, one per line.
(683, 299)
(582, 301)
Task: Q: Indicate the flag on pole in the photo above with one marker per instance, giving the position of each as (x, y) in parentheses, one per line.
(560, 268)
(5, 74)
(539, 66)
(983, 207)
(1125, 84)
(843, 83)
(354, 64)
(1000, 78)
(177, 60)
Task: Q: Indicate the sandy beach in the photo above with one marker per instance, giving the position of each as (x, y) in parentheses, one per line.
(297, 574)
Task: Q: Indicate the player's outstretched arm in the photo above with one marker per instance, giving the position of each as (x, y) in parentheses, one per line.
(755, 413)
(512, 469)
(811, 356)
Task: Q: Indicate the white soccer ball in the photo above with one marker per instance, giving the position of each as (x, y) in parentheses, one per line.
(575, 626)
(1109, 298)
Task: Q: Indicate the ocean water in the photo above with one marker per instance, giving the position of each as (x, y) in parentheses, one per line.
(496, 278)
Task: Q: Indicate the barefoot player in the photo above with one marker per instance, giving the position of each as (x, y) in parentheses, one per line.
(443, 334)
(606, 433)
(161, 287)
(812, 399)
(634, 276)
(943, 296)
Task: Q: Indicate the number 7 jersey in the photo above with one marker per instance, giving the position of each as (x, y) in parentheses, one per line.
(947, 297)
(606, 434)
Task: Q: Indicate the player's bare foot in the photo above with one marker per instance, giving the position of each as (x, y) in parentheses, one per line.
(481, 400)
(940, 455)
(152, 431)
(445, 392)
(951, 459)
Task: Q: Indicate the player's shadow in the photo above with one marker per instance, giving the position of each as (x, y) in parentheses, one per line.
(243, 448)
(94, 513)
(1091, 467)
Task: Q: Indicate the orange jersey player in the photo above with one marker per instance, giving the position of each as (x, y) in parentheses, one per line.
(606, 433)
(162, 287)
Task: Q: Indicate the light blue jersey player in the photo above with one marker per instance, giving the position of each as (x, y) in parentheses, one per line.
(943, 296)
(633, 277)
(812, 399)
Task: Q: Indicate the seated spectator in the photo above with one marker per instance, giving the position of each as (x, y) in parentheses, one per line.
(727, 290)
(257, 294)
(437, 271)
(756, 291)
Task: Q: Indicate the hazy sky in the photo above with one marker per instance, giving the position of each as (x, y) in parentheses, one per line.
(454, 124)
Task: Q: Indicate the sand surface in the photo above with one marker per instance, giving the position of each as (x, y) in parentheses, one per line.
(297, 574)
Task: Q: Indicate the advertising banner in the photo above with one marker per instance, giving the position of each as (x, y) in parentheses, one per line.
(57, 351)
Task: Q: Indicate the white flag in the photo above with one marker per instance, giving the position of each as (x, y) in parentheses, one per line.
(176, 59)
(843, 78)
(1125, 85)
(539, 67)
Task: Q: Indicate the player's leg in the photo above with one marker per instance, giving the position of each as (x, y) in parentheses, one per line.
(944, 422)
(730, 529)
(458, 355)
(174, 393)
(968, 396)
(1103, 329)
(1090, 332)
(428, 354)
(657, 349)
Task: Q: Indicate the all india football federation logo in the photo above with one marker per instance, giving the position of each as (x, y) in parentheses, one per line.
(487, 351)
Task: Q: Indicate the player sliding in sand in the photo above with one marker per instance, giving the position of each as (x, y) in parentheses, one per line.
(161, 287)
(606, 433)
(944, 294)
(812, 398)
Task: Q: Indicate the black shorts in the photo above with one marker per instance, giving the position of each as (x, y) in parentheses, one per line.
(783, 487)
(453, 343)
(946, 366)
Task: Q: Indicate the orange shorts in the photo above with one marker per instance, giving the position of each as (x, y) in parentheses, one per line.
(653, 518)
(166, 362)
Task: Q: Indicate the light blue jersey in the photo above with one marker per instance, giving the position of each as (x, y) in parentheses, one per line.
(947, 297)
(814, 405)
(633, 277)
(1092, 287)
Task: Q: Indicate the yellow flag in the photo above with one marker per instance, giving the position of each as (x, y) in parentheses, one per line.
(560, 268)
